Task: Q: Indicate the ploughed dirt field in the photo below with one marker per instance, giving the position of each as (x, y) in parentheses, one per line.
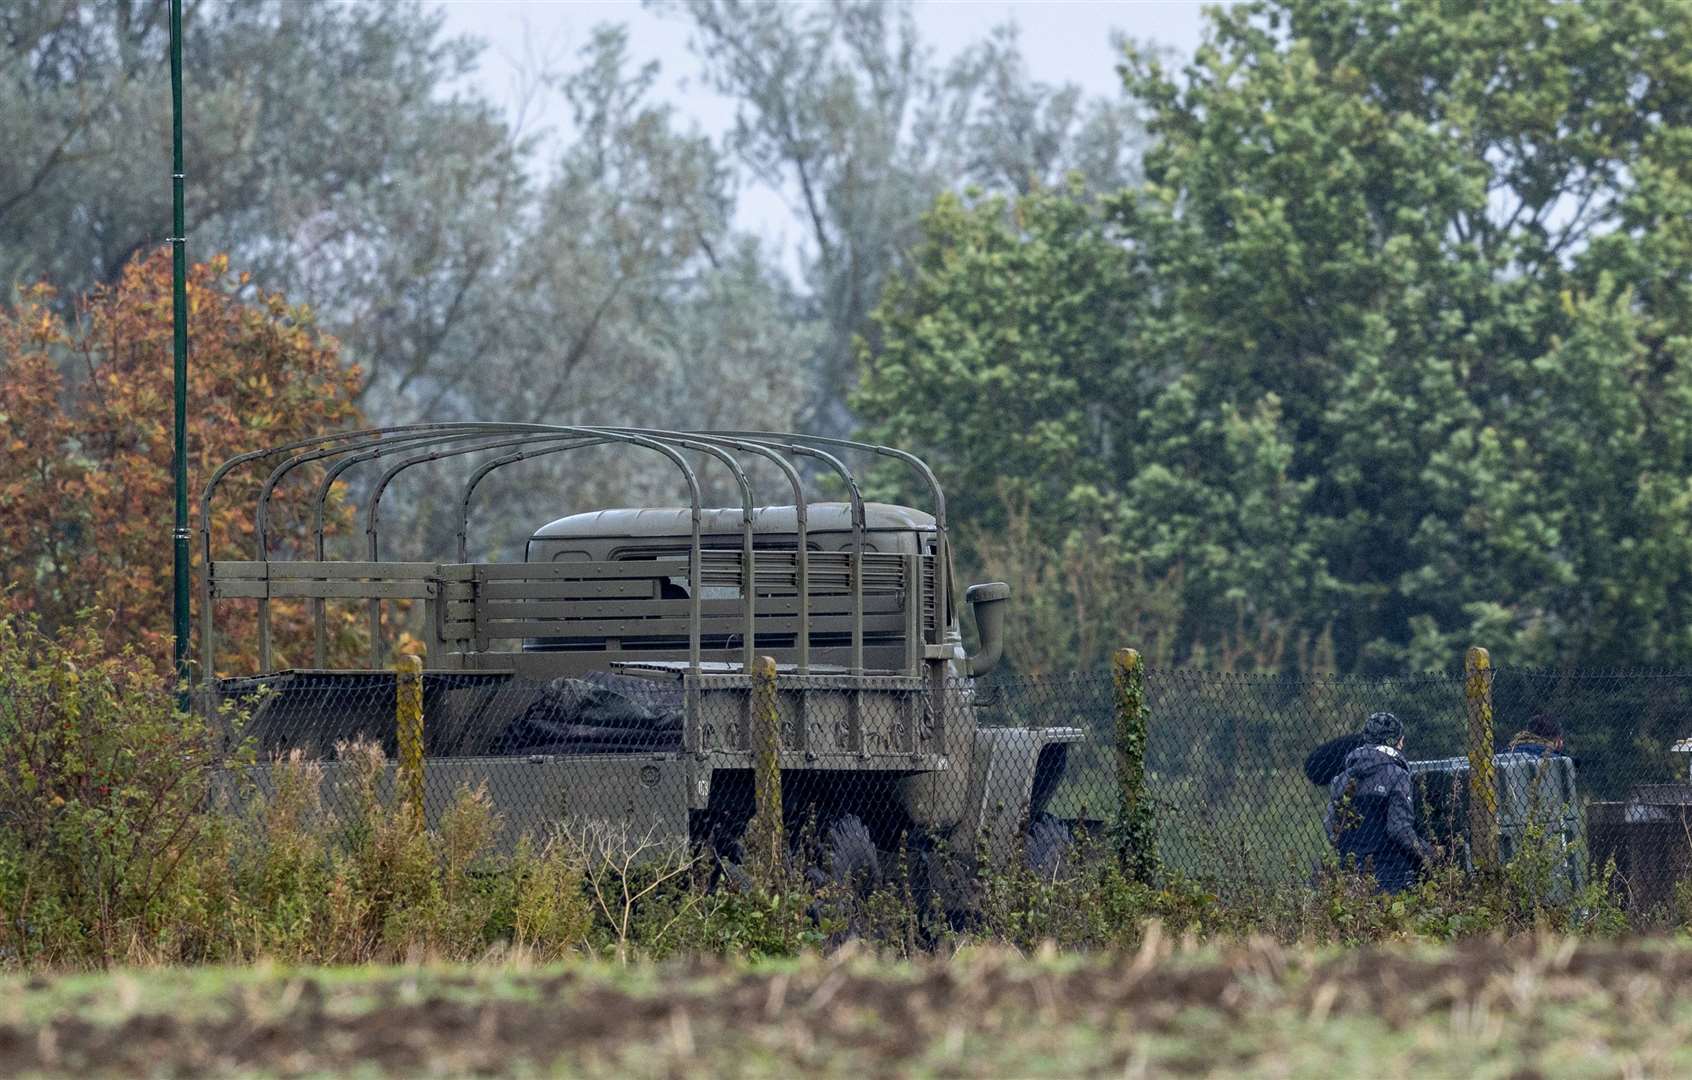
(1524, 1009)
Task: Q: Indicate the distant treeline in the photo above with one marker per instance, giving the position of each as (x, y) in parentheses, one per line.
(1359, 335)
(1389, 352)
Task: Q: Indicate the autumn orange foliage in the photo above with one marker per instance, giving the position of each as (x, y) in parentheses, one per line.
(85, 414)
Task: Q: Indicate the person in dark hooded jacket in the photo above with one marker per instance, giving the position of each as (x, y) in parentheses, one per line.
(1371, 815)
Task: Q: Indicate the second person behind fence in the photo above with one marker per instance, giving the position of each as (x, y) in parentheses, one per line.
(1371, 816)
(1542, 738)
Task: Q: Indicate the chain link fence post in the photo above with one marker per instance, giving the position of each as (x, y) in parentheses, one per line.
(408, 724)
(765, 832)
(1136, 833)
(1483, 786)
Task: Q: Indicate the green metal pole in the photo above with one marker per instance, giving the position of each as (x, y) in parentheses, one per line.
(179, 305)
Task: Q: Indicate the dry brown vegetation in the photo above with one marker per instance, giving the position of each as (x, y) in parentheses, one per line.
(1529, 1007)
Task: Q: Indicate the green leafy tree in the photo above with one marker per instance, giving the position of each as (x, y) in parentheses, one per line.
(843, 108)
(992, 360)
(1401, 344)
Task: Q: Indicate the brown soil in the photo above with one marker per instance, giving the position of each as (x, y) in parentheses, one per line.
(822, 1014)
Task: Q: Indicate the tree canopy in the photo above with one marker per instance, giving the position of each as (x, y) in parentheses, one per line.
(843, 108)
(85, 481)
(340, 155)
(1380, 347)
(1392, 343)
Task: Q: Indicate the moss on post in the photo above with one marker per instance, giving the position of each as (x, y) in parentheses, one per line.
(765, 842)
(408, 729)
(1483, 785)
(1135, 826)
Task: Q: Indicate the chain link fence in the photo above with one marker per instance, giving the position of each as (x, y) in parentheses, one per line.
(1235, 767)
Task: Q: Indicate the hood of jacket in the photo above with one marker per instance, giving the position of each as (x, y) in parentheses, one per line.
(1374, 764)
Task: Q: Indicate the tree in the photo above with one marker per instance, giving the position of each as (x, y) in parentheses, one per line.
(627, 297)
(327, 154)
(842, 107)
(1415, 227)
(85, 482)
(996, 358)
(1002, 359)
(1406, 331)
(1008, 132)
(324, 156)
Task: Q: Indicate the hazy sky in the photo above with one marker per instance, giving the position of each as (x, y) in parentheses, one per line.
(1062, 41)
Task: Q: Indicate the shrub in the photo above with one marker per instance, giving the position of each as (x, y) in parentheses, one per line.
(128, 832)
(551, 913)
(282, 870)
(373, 884)
(103, 794)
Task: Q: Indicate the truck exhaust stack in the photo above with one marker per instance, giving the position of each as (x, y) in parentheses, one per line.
(987, 600)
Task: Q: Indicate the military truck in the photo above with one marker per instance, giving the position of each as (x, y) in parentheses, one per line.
(608, 676)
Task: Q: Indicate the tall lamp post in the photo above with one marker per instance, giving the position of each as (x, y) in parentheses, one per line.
(179, 306)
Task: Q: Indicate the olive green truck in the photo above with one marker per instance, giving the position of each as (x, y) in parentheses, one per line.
(609, 676)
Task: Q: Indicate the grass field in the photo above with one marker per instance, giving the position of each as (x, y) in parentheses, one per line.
(1531, 1008)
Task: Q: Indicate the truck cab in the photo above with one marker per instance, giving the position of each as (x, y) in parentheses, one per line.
(644, 618)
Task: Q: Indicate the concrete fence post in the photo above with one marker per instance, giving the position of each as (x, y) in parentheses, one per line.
(1136, 833)
(408, 725)
(1483, 784)
(766, 842)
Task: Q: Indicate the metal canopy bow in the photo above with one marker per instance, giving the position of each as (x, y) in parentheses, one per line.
(408, 446)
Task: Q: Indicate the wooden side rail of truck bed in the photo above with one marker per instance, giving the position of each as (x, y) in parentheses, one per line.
(858, 614)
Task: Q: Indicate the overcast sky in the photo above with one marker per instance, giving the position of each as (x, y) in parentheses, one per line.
(1062, 41)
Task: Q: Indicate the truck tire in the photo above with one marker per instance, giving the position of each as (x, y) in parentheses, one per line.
(850, 858)
(1049, 846)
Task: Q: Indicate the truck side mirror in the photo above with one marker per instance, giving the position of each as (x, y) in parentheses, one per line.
(987, 600)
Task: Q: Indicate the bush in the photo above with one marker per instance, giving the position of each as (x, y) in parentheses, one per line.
(375, 885)
(125, 836)
(551, 913)
(129, 832)
(282, 872)
(104, 788)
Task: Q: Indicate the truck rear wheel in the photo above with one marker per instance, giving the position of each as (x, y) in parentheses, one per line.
(1049, 846)
(850, 857)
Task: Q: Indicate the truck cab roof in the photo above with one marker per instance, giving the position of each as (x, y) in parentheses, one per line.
(678, 521)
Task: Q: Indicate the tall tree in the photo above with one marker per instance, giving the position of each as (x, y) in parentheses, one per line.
(1005, 131)
(85, 475)
(626, 297)
(325, 154)
(1407, 339)
(330, 154)
(843, 108)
